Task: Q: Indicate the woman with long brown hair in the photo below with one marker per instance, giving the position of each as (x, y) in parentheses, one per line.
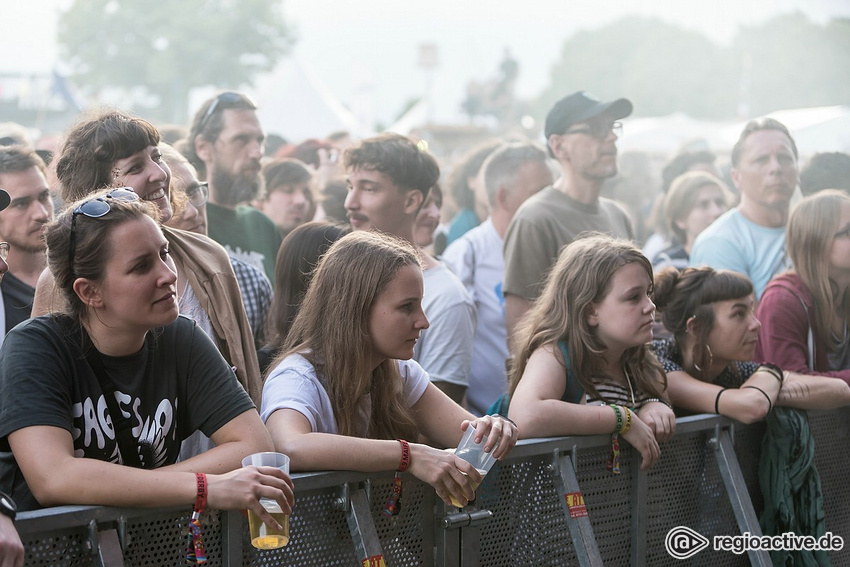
(344, 393)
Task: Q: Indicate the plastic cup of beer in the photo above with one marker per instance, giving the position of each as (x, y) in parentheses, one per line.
(474, 454)
(264, 536)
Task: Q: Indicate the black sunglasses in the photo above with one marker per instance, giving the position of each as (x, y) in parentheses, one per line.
(225, 100)
(96, 208)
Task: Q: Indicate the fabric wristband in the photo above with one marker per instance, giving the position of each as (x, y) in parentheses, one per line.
(404, 464)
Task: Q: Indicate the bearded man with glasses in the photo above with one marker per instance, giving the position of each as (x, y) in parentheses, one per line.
(225, 145)
(581, 133)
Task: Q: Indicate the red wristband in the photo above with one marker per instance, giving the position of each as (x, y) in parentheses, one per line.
(201, 499)
(405, 456)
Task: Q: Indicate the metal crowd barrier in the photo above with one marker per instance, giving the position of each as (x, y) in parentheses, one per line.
(551, 503)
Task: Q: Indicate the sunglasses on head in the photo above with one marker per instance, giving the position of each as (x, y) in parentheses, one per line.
(224, 100)
(96, 208)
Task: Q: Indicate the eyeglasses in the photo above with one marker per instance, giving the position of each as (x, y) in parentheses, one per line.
(229, 99)
(96, 208)
(599, 131)
(4, 250)
(198, 194)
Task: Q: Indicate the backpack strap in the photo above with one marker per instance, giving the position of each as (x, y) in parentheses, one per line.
(573, 392)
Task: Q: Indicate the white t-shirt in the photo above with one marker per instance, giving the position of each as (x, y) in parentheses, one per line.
(293, 384)
(477, 259)
(444, 349)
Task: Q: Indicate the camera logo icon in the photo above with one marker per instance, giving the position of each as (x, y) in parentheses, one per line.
(683, 542)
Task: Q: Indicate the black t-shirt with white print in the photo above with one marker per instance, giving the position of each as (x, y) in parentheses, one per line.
(176, 384)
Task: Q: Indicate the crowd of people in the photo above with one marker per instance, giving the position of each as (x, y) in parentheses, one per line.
(170, 308)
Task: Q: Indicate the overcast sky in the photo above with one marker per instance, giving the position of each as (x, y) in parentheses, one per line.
(373, 45)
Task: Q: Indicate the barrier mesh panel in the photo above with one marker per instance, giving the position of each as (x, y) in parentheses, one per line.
(318, 535)
(162, 539)
(403, 537)
(687, 489)
(528, 527)
(57, 548)
(831, 431)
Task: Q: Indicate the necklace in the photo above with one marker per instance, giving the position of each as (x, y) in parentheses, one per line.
(629, 383)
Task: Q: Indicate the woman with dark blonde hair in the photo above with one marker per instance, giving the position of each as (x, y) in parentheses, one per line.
(804, 312)
(694, 201)
(582, 364)
(709, 360)
(344, 393)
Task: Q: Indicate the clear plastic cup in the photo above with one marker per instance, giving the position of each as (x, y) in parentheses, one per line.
(264, 536)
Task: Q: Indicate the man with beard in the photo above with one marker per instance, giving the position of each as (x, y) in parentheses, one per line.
(30, 207)
(581, 132)
(225, 145)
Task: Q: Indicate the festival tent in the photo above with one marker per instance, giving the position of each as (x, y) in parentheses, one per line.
(817, 129)
(296, 105)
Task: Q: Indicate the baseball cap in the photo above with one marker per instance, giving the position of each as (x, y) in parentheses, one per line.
(5, 199)
(579, 107)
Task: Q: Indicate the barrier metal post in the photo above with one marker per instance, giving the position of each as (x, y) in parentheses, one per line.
(640, 488)
(367, 546)
(587, 552)
(736, 490)
(232, 527)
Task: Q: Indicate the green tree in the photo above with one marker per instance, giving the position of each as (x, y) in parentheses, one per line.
(791, 62)
(787, 62)
(168, 49)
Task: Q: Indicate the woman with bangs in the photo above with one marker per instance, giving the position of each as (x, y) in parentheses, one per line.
(344, 393)
(709, 359)
(113, 149)
(804, 312)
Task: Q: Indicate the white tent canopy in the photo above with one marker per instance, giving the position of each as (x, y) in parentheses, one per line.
(296, 105)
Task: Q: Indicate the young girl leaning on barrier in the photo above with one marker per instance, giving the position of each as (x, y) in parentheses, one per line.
(344, 394)
(97, 400)
(709, 359)
(582, 364)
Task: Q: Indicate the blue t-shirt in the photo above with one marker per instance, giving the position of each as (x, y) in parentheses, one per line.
(734, 243)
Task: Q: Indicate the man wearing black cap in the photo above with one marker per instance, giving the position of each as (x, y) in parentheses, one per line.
(581, 132)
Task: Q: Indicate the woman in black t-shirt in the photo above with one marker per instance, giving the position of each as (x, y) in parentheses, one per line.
(120, 380)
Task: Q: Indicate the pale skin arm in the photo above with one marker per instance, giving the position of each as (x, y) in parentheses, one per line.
(806, 391)
(11, 548)
(436, 418)
(46, 457)
(515, 308)
(537, 408)
(660, 419)
(746, 405)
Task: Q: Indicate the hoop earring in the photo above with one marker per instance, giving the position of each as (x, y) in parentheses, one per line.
(710, 359)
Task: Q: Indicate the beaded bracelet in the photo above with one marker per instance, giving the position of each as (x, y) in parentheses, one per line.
(659, 400)
(628, 424)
